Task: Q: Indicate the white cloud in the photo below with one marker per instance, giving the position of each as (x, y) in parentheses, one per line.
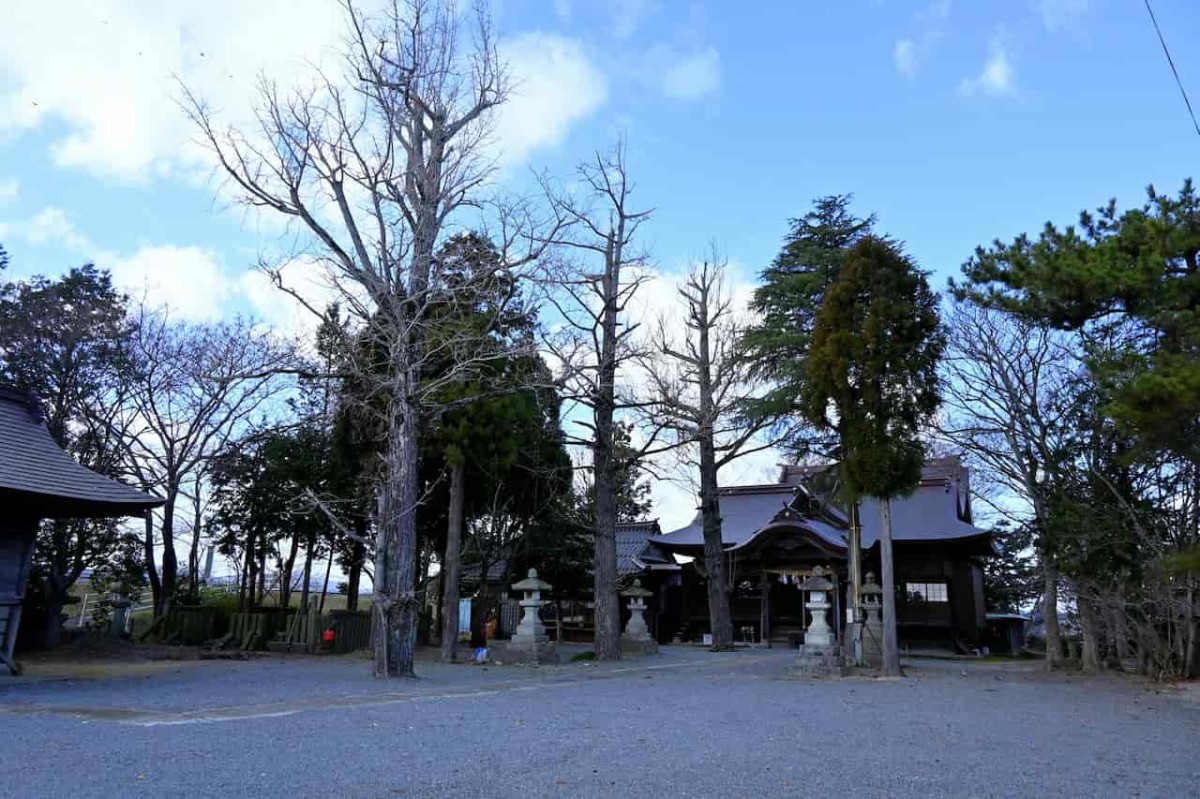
(910, 52)
(106, 71)
(905, 56)
(8, 190)
(1062, 14)
(628, 15)
(556, 85)
(187, 280)
(283, 312)
(679, 74)
(997, 77)
(693, 76)
(107, 99)
(52, 225)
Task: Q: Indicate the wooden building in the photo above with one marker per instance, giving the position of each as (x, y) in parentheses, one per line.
(38, 480)
(775, 534)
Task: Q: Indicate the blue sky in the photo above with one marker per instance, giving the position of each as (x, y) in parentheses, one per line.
(773, 104)
(956, 122)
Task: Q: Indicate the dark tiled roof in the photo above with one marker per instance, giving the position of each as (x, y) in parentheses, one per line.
(939, 510)
(39, 476)
(495, 572)
(635, 551)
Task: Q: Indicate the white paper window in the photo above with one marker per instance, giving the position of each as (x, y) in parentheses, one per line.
(926, 592)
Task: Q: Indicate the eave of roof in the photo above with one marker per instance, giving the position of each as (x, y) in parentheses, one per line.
(38, 478)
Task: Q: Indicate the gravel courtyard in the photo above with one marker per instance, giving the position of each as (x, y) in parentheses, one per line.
(686, 723)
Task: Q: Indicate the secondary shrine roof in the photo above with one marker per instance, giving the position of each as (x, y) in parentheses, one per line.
(938, 511)
(38, 477)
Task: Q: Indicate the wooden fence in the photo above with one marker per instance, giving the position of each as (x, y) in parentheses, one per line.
(279, 629)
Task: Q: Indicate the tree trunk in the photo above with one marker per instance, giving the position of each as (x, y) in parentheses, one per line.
(607, 615)
(325, 583)
(479, 611)
(308, 562)
(250, 572)
(720, 618)
(261, 593)
(1054, 647)
(56, 600)
(1191, 659)
(285, 574)
(891, 645)
(1119, 625)
(358, 552)
(151, 568)
(170, 563)
(1089, 628)
(451, 563)
(194, 551)
(395, 605)
(52, 631)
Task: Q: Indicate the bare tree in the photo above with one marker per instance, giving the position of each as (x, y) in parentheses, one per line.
(702, 394)
(192, 389)
(1007, 398)
(375, 164)
(593, 345)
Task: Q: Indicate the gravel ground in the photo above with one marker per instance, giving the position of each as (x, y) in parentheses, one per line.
(687, 722)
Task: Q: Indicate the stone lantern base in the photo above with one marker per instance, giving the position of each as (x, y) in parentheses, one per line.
(524, 650)
(818, 660)
(637, 647)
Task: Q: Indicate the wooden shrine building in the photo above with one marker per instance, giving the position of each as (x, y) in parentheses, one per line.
(38, 480)
(775, 534)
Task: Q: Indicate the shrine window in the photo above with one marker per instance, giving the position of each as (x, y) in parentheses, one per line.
(926, 592)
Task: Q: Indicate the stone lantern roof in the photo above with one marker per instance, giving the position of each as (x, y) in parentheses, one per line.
(532, 583)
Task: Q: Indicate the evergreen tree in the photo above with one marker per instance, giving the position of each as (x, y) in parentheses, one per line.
(1131, 277)
(67, 341)
(872, 377)
(792, 291)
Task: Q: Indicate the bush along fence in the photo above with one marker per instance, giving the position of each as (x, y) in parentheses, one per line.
(277, 629)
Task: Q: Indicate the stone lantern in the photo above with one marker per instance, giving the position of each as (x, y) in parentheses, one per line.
(530, 642)
(120, 616)
(872, 597)
(531, 626)
(872, 645)
(636, 637)
(818, 656)
(818, 586)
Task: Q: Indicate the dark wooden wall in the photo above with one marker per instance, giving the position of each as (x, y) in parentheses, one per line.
(16, 550)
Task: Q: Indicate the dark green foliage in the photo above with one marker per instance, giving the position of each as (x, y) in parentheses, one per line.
(1130, 284)
(1098, 500)
(872, 370)
(1011, 577)
(793, 288)
(261, 496)
(492, 406)
(66, 340)
(632, 490)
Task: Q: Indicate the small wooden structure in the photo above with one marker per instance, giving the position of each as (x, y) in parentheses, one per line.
(38, 480)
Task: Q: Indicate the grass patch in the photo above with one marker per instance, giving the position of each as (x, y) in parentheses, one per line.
(583, 657)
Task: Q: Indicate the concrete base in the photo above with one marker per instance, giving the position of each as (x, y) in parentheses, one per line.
(872, 644)
(816, 660)
(517, 651)
(852, 639)
(638, 648)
